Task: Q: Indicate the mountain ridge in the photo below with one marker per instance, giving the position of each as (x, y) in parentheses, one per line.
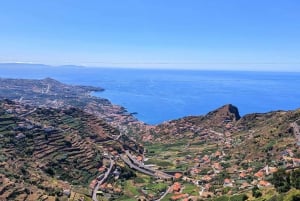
(59, 142)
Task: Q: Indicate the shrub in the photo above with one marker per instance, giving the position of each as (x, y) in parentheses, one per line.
(222, 198)
(241, 197)
(281, 181)
(256, 192)
(295, 178)
(293, 195)
(50, 171)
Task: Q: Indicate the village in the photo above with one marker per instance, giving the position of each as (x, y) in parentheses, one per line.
(82, 154)
(205, 175)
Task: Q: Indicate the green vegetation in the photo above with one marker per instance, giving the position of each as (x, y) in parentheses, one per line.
(295, 178)
(190, 189)
(256, 192)
(161, 163)
(56, 148)
(130, 188)
(284, 181)
(293, 195)
(240, 197)
(51, 148)
(156, 187)
(222, 198)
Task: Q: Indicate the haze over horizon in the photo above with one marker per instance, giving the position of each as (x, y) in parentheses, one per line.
(204, 35)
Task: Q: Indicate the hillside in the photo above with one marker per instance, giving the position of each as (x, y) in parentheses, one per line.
(46, 152)
(52, 93)
(194, 126)
(264, 135)
(59, 142)
(222, 149)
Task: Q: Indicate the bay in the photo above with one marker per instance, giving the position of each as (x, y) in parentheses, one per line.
(161, 95)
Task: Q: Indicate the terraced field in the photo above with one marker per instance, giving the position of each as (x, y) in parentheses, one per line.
(49, 150)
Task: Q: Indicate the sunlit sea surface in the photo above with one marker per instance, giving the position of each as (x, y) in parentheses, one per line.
(161, 95)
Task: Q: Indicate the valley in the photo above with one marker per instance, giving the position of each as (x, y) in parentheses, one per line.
(60, 143)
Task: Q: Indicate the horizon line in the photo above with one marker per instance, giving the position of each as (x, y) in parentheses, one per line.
(119, 66)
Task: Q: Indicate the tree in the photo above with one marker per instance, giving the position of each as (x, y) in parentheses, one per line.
(295, 178)
(241, 197)
(220, 177)
(50, 171)
(292, 195)
(281, 181)
(222, 198)
(256, 192)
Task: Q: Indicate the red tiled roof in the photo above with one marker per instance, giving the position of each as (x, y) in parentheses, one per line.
(227, 181)
(139, 158)
(218, 153)
(264, 183)
(177, 175)
(101, 169)
(176, 187)
(206, 178)
(217, 166)
(259, 174)
(179, 196)
(243, 175)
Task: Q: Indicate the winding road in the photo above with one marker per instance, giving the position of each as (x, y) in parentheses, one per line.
(112, 163)
(142, 168)
(134, 166)
(165, 194)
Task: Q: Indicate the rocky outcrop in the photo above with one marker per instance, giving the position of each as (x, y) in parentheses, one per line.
(225, 113)
(220, 119)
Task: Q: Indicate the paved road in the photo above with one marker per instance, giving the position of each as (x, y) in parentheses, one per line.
(48, 88)
(140, 165)
(28, 113)
(94, 197)
(166, 193)
(134, 166)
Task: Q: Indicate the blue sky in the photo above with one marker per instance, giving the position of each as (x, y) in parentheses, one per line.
(197, 34)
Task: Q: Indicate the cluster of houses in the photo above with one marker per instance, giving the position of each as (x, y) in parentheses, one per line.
(216, 177)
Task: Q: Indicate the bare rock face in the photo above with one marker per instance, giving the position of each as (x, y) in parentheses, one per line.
(227, 112)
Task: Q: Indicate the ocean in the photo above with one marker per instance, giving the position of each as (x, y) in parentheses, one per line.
(161, 95)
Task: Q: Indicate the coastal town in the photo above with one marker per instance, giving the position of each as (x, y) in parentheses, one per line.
(73, 153)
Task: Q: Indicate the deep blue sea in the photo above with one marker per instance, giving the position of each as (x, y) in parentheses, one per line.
(160, 95)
